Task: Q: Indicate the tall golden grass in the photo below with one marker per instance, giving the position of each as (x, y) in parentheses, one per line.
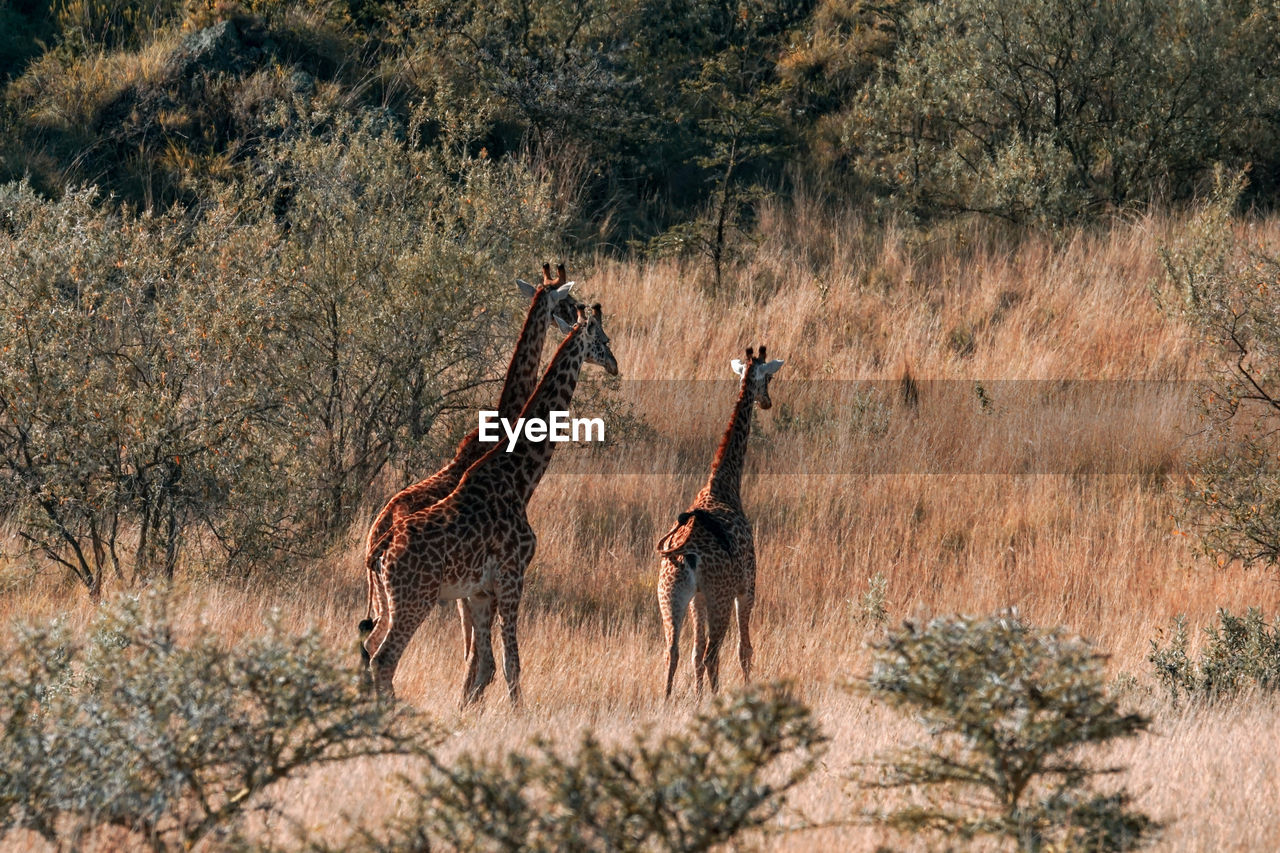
(1101, 553)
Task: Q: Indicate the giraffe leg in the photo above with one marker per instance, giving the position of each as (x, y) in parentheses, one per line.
(508, 613)
(745, 603)
(374, 630)
(676, 588)
(384, 660)
(404, 594)
(464, 617)
(699, 608)
(717, 625)
(480, 664)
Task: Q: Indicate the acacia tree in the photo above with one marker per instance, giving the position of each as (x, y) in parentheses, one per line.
(120, 384)
(736, 98)
(1225, 287)
(1010, 711)
(743, 119)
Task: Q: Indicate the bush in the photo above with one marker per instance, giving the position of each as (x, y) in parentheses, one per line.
(728, 774)
(170, 742)
(1225, 290)
(1009, 710)
(1242, 653)
(124, 391)
(1056, 109)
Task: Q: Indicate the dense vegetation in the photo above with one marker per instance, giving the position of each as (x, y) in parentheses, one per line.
(648, 114)
(148, 735)
(139, 737)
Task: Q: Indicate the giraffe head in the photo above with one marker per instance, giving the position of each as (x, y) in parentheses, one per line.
(756, 373)
(592, 326)
(557, 289)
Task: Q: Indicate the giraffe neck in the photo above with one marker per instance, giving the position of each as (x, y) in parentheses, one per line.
(521, 470)
(522, 376)
(469, 450)
(522, 372)
(726, 471)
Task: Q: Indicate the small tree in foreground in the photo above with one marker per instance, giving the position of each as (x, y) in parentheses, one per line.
(168, 743)
(729, 773)
(1009, 709)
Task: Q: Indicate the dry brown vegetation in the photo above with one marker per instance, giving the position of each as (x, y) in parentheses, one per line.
(1099, 553)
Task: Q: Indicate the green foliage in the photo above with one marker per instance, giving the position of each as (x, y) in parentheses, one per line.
(1241, 653)
(171, 740)
(737, 100)
(1225, 290)
(1010, 710)
(538, 72)
(727, 774)
(231, 383)
(671, 118)
(124, 397)
(1055, 109)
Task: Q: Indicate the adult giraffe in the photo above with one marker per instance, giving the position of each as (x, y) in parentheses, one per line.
(548, 301)
(476, 543)
(708, 556)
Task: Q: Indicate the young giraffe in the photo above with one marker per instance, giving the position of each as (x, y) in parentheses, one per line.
(547, 301)
(476, 542)
(708, 556)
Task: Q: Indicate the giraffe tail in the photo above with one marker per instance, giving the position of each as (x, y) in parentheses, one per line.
(680, 533)
(670, 544)
(373, 551)
(365, 628)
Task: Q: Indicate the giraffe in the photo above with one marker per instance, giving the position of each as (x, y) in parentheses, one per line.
(476, 543)
(547, 301)
(708, 556)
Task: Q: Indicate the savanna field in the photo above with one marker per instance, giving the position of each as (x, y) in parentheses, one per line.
(257, 266)
(1102, 554)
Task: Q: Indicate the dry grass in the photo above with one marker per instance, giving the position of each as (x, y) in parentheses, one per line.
(66, 95)
(1098, 553)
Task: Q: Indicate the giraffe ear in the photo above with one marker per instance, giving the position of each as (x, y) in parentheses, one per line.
(566, 328)
(561, 292)
(738, 367)
(771, 367)
(525, 287)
